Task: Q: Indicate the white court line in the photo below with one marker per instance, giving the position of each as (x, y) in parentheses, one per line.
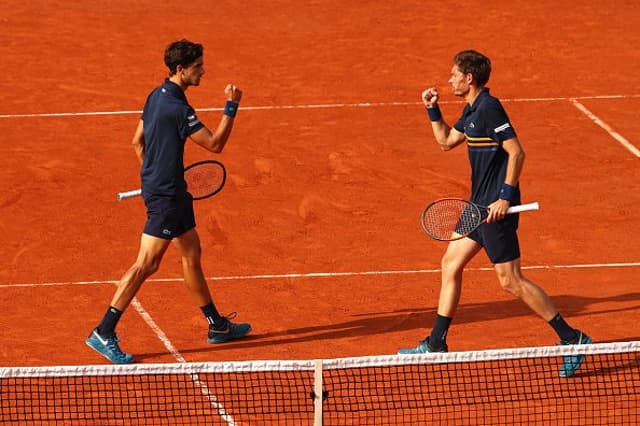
(178, 356)
(617, 136)
(331, 274)
(310, 106)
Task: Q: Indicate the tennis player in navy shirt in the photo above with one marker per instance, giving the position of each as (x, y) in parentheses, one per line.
(167, 122)
(496, 157)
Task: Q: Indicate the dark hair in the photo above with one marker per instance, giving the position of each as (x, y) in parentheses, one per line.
(474, 63)
(182, 52)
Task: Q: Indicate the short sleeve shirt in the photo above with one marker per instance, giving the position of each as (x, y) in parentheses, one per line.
(168, 120)
(486, 125)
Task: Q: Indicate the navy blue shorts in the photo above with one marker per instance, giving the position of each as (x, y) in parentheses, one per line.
(169, 217)
(499, 239)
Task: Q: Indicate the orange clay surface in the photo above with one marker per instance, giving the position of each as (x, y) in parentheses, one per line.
(330, 163)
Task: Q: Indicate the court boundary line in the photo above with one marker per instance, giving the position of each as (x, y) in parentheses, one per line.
(615, 135)
(294, 275)
(204, 389)
(313, 106)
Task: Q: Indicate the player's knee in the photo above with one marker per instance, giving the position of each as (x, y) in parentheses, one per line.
(191, 262)
(191, 253)
(511, 284)
(147, 267)
(450, 267)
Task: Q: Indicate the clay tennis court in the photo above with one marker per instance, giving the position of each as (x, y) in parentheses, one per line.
(315, 240)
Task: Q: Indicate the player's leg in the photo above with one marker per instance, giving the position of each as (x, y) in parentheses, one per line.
(221, 329)
(512, 280)
(453, 262)
(190, 250)
(455, 258)
(163, 222)
(103, 338)
(503, 249)
(152, 250)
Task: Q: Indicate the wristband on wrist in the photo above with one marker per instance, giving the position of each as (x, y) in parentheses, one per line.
(507, 192)
(230, 108)
(434, 113)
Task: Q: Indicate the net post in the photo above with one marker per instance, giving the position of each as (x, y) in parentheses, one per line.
(317, 393)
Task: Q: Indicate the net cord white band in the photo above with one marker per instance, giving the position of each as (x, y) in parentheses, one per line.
(312, 365)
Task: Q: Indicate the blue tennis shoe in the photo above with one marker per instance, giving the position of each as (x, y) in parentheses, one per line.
(571, 363)
(108, 347)
(228, 331)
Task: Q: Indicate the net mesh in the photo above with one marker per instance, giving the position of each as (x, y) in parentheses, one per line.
(204, 179)
(448, 218)
(515, 387)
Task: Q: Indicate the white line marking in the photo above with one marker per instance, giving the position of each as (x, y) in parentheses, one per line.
(156, 329)
(332, 274)
(635, 151)
(178, 356)
(68, 114)
(309, 106)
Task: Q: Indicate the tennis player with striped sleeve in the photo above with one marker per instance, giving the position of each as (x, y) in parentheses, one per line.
(496, 157)
(167, 122)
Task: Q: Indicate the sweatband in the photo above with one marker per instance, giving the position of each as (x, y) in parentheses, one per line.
(230, 108)
(434, 113)
(507, 192)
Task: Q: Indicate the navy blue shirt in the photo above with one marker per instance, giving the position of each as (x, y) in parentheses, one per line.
(486, 125)
(168, 120)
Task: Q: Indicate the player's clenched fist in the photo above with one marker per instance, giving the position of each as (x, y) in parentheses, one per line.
(430, 97)
(233, 93)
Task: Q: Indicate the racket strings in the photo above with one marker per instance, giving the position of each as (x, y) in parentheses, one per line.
(445, 218)
(204, 179)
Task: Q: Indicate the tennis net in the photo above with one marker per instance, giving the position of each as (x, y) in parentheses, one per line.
(511, 386)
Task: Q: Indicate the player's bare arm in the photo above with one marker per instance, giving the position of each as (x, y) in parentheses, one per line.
(138, 141)
(446, 136)
(216, 141)
(515, 162)
(498, 209)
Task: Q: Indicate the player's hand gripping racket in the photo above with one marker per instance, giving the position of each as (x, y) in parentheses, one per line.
(450, 219)
(204, 179)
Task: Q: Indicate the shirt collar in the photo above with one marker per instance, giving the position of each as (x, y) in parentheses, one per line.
(173, 89)
(483, 94)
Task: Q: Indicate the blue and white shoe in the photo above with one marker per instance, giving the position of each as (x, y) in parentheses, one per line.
(229, 331)
(108, 348)
(571, 363)
(423, 347)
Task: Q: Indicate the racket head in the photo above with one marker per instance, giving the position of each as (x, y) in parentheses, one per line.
(450, 219)
(205, 178)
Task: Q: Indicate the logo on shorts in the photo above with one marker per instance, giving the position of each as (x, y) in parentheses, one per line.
(166, 232)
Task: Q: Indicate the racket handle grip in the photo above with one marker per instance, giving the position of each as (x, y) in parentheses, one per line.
(129, 194)
(524, 208)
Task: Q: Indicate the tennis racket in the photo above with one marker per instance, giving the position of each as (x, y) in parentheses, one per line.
(450, 219)
(204, 179)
